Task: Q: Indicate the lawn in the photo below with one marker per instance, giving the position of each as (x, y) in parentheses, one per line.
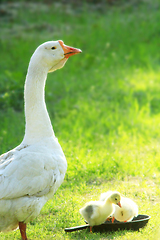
(104, 105)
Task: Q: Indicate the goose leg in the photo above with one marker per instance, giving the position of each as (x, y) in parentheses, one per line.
(22, 228)
(113, 220)
(90, 229)
(108, 219)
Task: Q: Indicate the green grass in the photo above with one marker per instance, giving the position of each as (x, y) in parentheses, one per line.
(104, 106)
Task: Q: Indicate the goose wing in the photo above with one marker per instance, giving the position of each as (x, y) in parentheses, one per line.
(23, 172)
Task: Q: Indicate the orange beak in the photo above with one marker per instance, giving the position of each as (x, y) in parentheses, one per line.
(119, 204)
(68, 51)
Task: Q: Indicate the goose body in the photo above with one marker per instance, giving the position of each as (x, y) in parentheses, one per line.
(127, 212)
(31, 173)
(96, 212)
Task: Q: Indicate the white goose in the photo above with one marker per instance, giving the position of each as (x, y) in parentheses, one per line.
(32, 172)
(127, 212)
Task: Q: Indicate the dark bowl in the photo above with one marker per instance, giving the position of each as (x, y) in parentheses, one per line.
(137, 222)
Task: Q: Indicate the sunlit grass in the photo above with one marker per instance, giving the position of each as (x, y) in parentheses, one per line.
(104, 106)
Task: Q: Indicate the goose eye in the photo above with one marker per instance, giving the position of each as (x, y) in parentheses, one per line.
(53, 48)
(116, 199)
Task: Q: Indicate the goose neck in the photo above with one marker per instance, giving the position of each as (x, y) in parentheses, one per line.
(38, 124)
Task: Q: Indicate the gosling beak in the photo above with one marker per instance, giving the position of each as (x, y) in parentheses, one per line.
(68, 51)
(119, 204)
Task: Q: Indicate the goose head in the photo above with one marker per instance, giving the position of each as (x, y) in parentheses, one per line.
(52, 55)
(115, 198)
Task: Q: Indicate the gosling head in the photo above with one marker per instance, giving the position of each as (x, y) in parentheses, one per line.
(52, 55)
(115, 198)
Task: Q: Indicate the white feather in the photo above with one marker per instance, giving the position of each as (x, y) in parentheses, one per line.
(32, 172)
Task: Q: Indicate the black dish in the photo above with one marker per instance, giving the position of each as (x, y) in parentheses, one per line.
(137, 222)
